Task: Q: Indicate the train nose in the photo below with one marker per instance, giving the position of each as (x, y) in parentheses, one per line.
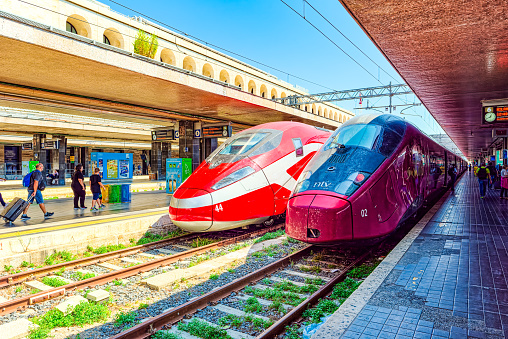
(319, 218)
(191, 210)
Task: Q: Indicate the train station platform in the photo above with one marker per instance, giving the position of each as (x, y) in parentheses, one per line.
(448, 278)
(14, 188)
(72, 230)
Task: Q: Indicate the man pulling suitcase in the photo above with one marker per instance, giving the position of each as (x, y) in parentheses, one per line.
(37, 185)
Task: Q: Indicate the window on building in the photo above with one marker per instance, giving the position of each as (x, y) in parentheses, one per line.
(106, 40)
(70, 28)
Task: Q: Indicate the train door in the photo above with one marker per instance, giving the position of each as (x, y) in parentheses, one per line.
(446, 166)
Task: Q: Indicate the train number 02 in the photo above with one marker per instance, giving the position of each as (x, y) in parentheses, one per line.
(363, 213)
(218, 208)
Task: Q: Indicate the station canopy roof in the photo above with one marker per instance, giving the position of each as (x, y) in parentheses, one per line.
(453, 54)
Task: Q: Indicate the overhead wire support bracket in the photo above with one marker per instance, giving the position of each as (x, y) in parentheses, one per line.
(352, 94)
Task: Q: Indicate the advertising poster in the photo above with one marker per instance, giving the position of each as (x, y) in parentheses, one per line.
(100, 164)
(124, 169)
(112, 169)
(25, 167)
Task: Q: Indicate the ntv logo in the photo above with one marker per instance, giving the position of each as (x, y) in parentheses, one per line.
(322, 184)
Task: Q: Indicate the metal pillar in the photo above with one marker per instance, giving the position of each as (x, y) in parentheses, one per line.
(160, 152)
(62, 147)
(185, 141)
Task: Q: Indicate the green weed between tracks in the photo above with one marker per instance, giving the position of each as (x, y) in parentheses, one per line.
(203, 330)
(289, 298)
(199, 242)
(252, 305)
(165, 335)
(82, 276)
(125, 318)
(362, 271)
(59, 257)
(53, 282)
(270, 235)
(83, 314)
(341, 292)
(257, 324)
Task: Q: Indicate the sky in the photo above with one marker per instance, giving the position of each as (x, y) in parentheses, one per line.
(277, 40)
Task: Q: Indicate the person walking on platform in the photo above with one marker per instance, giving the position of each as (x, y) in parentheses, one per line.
(1, 198)
(37, 185)
(483, 175)
(452, 172)
(95, 186)
(78, 187)
(504, 182)
(493, 173)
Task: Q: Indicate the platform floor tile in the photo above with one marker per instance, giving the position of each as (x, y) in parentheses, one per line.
(453, 280)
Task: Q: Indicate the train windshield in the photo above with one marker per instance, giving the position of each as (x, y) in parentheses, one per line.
(354, 135)
(244, 144)
(352, 154)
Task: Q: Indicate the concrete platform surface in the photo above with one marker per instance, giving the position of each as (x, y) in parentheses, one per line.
(64, 209)
(451, 282)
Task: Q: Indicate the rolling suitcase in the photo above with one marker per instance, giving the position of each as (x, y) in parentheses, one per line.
(12, 211)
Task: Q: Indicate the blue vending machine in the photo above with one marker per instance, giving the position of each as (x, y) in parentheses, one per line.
(177, 170)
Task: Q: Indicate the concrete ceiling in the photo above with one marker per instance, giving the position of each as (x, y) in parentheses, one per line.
(121, 86)
(453, 54)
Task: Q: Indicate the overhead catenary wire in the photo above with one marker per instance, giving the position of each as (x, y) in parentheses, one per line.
(352, 43)
(329, 39)
(219, 47)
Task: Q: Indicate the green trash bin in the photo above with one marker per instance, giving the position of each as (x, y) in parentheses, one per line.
(114, 193)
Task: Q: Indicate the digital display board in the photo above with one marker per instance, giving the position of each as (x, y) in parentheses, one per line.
(167, 134)
(495, 114)
(223, 131)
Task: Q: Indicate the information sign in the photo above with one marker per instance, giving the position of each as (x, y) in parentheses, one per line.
(159, 135)
(27, 145)
(50, 144)
(222, 131)
(495, 114)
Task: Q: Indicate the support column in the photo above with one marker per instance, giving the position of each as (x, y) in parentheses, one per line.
(185, 140)
(39, 152)
(160, 152)
(62, 147)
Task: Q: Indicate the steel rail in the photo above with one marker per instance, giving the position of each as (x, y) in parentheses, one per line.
(170, 317)
(17, 278)
(297, 312)
(10, 306)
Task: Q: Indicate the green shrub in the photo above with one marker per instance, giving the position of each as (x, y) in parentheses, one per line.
(146, 44)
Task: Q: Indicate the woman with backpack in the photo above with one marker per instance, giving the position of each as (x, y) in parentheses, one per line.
(78, 187)
(504, 182)
(483, 175)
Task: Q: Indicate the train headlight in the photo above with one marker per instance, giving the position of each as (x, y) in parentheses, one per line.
(234, 177)
(302, 184)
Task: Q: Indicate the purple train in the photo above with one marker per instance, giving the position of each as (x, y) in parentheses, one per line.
(369, 176)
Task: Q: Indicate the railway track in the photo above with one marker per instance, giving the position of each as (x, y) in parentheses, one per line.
(117, 274)
(212, 298)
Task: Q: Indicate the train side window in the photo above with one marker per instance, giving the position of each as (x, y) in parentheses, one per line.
(297, 142)
(390, 142)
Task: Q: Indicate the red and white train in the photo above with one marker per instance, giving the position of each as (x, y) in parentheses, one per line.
(248, 179)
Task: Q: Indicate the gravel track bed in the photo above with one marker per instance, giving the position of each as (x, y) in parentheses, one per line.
(289, 277)
(176, 298)
(239, 304)
(130, 293)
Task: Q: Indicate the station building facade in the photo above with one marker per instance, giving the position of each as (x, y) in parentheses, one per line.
(95, 20)
(107, 28)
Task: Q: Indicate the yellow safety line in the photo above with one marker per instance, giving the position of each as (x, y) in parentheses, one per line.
(54, 228)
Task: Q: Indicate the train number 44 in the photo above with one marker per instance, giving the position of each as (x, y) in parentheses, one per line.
(218, 208)
(363, 213)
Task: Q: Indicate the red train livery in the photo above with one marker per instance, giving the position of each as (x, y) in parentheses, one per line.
(246, 180)
(371, 174)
